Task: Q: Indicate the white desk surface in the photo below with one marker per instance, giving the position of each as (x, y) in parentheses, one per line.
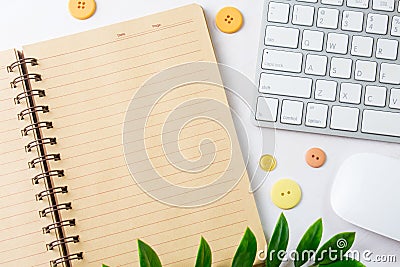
(26, 21)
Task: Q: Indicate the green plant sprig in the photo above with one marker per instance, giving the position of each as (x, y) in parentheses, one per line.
(247, 250)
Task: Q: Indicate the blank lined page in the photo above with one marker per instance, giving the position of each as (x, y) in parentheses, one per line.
(94, 85)
(22, 242)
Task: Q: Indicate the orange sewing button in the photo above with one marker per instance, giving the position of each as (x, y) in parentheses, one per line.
(315, 157)
(82, 9)
(229, 20)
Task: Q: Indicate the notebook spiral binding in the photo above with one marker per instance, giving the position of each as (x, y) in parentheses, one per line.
(44, 159)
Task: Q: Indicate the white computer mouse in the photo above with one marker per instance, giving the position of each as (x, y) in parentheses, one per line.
(366, 192)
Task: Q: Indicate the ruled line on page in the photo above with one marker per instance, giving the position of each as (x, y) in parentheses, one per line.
(211, 218)
(118, 61)
(173, 229)
(116, 41)
(157, 222)
(123, 102)
(130, 263)
(176, 239)
(127, 69)
(122, 209)
(126, 101)
(117, 51)
(120, 188)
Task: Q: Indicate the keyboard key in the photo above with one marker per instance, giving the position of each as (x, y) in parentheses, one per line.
(377, 23)
(285, 85)
(316, 65)
(387, 49)
(325, 90)
(384, 5)
(362, 46)
(350, 93)
(352, 21)
(332, 2)
(282, 60)
(278, 12)
(375, 96)
(312, 40)
(282, 37)
(308, 1)
(394, 99)
(341, 67)
(267, 109)
(345, 118)
(303, 15)
(381, 122)
(358, 3)
(395, 25)
(337, 43)
(316, 115)
(365, 71)
(327, 18)
(389, 73)
(292, 112)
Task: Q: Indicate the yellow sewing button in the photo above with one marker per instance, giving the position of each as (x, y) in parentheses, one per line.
(267, 163)
(229, 20)
(82, 9)
(286, 194)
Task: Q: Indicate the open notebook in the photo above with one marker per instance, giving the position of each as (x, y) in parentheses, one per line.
(78, 116)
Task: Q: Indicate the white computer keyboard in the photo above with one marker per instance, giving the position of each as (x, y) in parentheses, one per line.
(330, 67)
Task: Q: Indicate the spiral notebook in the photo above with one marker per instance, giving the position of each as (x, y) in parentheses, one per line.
(69, 191)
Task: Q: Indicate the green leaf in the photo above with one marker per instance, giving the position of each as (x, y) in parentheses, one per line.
(147, 256)
(347, 262)
(204, 256)
(335, 248)
(278, 244)
(247, 250)
(309, 243)
(103, 265)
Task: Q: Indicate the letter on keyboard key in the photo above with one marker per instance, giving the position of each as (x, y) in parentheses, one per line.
(387, 49)
(381, 122)
(375, 96)
(312, 40)
(350, 93)
(358, 3)
(365, 71)
(282, 60)
(337, 43)
(394, 98)
(340, 67)
(316, 65)
(316, 115)
(267, 109)
(362, 46)
(325, 90)
(285, 85)
(390, 73)
(344, 118)
(282, 37)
